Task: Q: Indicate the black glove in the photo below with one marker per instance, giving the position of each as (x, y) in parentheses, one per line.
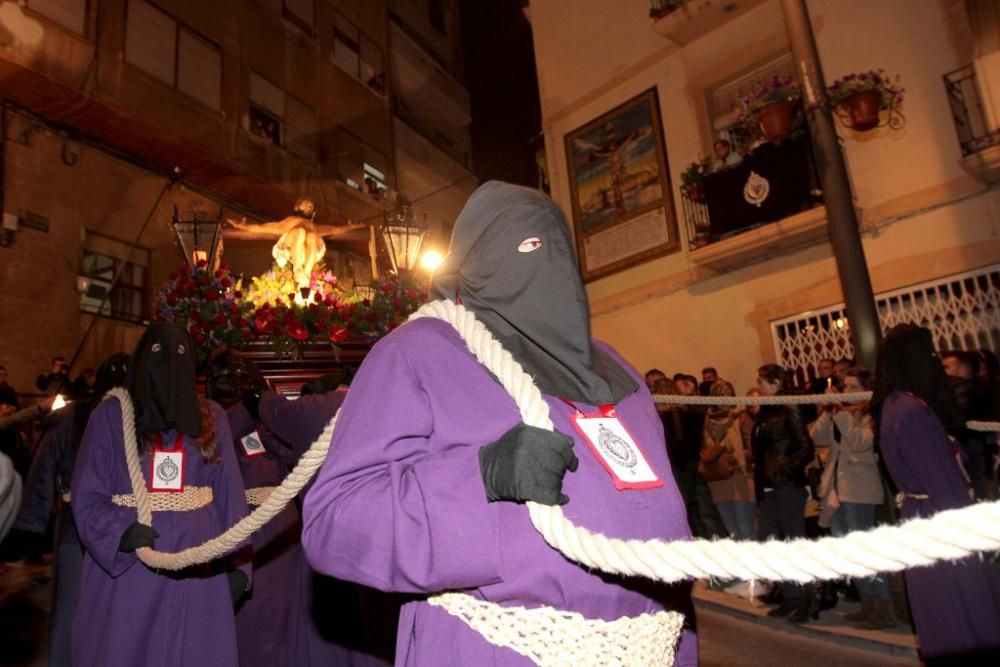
(325, 383)
(237, 586)
(252, 403)
(527, 463)
(135, 536)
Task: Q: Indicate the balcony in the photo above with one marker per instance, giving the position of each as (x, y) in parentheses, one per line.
(978, 137)
(683, 21)
(767, 203)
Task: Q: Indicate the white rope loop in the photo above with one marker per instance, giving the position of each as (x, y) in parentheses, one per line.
(947, 535)
(219, 546)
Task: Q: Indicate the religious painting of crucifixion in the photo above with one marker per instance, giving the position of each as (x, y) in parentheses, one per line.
(620, 189)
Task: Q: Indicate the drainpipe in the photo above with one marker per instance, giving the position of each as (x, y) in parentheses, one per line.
(845, 233)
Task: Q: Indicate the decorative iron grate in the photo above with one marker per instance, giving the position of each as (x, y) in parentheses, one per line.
(962, 311)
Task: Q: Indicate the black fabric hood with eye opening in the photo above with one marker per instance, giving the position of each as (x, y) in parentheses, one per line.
(161, 380)
(529, 295)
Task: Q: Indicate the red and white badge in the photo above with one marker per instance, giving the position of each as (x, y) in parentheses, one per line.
(615, 448)
(252, 444)
(167, 465)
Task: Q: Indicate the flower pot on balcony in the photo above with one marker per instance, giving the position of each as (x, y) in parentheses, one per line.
(862, 109)
(775, 120)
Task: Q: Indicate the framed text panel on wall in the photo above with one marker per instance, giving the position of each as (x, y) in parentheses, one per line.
(623, 210)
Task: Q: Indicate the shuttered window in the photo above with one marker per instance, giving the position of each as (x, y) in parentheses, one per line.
(173, 53)
(70, 14)
(282, 119)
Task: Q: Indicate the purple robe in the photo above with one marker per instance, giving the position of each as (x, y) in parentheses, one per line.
(342, 624)
(268, 619)
(399, 504)
(956, 605)
(128, 614)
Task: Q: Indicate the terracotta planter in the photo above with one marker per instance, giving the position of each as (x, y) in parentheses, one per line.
(775, 121)
(862, 109)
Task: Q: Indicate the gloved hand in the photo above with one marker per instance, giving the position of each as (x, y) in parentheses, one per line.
(237, 586)
(527, 463)
(252, 403)
(135, 536)
(325, 383)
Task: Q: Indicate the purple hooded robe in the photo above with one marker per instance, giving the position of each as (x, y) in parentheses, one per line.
(128, 614)
(399, 504)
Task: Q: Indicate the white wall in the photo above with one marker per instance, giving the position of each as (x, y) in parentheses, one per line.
(595, 54)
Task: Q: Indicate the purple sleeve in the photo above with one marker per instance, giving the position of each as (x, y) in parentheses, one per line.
(228, 490)
(99, 521)
(299, 422)
(931, 456)
(687, 652)
(392, 507)
(240, 421)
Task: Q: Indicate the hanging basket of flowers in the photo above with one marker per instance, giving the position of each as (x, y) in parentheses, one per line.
(769, 108)
(858, 100)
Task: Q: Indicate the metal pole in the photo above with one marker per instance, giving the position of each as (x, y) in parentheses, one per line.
(845, 234)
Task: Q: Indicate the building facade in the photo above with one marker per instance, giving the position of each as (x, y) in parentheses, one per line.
(770, 293)
(255, 102)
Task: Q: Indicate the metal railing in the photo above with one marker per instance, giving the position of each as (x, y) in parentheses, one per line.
(973, 130)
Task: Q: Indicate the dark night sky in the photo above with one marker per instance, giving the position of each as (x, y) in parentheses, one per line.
(503, 87)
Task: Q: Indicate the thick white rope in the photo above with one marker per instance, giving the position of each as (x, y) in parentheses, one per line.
(945, 536)
(307, 466)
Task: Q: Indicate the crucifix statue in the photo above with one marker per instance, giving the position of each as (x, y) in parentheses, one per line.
(300, 241)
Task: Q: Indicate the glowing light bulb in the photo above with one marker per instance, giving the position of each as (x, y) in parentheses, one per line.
(431, 260)
(60, 402)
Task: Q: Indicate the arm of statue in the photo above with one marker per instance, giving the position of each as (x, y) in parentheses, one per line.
(327, 231)
(272, 229)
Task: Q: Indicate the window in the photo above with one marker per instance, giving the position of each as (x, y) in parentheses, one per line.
(173, 53)
(723, 98)
(70, 14)
(282, 119)
(300, 12)
(374, 181)
(357, 55)
(103, 257)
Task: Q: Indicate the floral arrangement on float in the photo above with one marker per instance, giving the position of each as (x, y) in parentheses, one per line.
(692, 180)
(769, 107)
(220, 311)
(859, 97)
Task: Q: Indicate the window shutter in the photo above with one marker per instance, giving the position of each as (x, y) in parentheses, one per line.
(151, 40)
(199, 69)
(267, 95)
(304, 10)
(301, 126)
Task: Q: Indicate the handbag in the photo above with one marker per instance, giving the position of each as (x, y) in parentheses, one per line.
(716, 463)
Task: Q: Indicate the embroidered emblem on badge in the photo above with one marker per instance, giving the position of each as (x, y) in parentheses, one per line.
(756, 189)
(167, 470)
(616, 448)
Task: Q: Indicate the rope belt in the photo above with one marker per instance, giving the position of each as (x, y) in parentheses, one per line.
(257, 495)
(191, 498)
(551, 637)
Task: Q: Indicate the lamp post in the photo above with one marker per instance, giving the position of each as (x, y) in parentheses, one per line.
(401, 235)
(199, 238)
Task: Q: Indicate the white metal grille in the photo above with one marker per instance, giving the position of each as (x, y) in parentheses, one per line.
(962, 311)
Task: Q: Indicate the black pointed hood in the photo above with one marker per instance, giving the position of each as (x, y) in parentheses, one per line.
(161, 380)
(511, 263)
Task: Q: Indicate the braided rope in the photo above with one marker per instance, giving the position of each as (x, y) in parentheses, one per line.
(950, 534)
(947, 535)
(190, 499)
(307, 466)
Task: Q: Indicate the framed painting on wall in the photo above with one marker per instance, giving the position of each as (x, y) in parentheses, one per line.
(623, 210)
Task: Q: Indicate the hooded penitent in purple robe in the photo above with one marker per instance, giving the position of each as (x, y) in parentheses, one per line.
(340, 623)
(399, 504)
(128, 614)
(956, 606)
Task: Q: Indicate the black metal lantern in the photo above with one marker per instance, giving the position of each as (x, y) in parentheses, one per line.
(401, 235)
(199, 239)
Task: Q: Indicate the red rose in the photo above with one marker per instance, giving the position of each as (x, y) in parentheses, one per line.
(233, 308)
(180, 291)
(243, 323)
(211, 295)
(197, 336)
(171, 299)
(204, 280)
(338, 334)
(220, 319)
(238, 294)
(219, 274)
(318, 297)
(202, 263)
(226, 282)
(296, 331)
(224, 266)
(313, 308)
(262, 324)
(411, 294)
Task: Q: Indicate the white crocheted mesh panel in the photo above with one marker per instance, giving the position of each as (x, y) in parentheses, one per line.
(551, 637)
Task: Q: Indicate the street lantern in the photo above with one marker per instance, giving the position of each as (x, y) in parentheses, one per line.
(401, 235)
(199, 238)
